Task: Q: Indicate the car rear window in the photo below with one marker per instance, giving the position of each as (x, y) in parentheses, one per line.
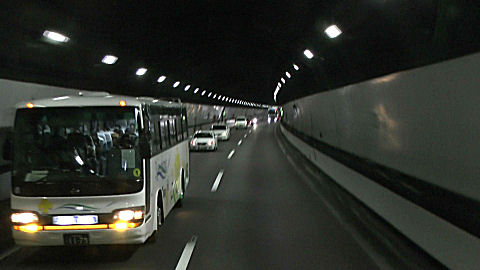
(219, 127)
(203, 135)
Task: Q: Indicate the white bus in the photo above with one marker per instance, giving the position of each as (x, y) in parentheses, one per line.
(96, 170)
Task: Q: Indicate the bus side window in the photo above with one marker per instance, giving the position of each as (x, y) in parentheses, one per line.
(169, 129)
(178, 124)
(156, 138)
(160, 133)
(173, 132)
(164, 130)
(185, 127)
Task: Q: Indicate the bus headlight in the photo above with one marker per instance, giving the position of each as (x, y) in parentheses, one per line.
(24, 218)
(128, 215)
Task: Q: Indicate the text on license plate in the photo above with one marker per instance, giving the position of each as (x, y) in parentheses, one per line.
(75, 220)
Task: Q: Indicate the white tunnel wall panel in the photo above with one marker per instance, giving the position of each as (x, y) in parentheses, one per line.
(447, 243)
(423, 122)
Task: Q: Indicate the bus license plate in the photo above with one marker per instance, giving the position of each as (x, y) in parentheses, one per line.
(75, 220)
(75, 239)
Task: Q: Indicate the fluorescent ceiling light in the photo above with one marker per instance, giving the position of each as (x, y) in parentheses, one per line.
(333, 31)
(109, 59)
(141, 71)
(288, 74)
(209, 94)
(187, 87)
(214, 96)
(282, 79)
(295, 67)
(308, 54)
(203, 92)
(176, 84)
(196, 90)
(55, 36)
(161, 79)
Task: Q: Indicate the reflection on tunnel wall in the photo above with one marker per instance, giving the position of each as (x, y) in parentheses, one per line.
(407, 146)
(423, 122)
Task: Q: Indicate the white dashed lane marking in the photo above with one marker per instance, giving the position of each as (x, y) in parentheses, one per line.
(231, 154)
(186, 254)
(217, 181)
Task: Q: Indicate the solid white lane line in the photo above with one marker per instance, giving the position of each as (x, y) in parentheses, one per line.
(239, 142)
(217, 181)
(231, 154)
(9, 252)
(186, 254)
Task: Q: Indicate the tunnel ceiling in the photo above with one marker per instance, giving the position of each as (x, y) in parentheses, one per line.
(238, 49)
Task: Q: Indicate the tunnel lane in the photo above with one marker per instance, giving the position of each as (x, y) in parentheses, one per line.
(261, 216)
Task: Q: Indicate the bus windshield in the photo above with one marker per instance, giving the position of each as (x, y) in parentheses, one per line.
(76, 151)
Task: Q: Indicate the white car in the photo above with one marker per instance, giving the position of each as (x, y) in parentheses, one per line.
(241, 122)
(203, 140)
(230, 123)
(221, 131)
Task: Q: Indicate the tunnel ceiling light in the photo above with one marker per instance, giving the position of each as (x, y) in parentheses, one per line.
(209, 94)
(288, 74)
(295, 67)
(308, 54)
(176, 84)
(109, 59)
(219, 97)
(187, 87)
(203, 92)
(196, 90)
(161, 79)
(282, 79)
(333, 31)
(279, 85)
(141, 71)
(214, 96)
(55, 36)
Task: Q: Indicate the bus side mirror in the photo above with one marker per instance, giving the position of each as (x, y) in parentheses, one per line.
(144, 145)
(7, 151)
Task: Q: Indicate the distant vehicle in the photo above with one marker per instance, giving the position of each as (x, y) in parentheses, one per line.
(273, 114)
(221, 131)
(204, 140)
(230, 122)
(241, 122)
(109, 173)
(252, 121)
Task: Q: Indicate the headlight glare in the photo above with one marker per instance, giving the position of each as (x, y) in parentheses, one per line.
(126, 215)
(24, 218)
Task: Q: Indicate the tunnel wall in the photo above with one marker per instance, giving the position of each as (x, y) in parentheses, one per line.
(407, 145)
(200, 116)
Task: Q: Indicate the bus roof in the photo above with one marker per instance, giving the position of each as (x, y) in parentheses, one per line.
(94, 100)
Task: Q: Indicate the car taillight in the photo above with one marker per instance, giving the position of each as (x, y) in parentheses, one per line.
(211, 142)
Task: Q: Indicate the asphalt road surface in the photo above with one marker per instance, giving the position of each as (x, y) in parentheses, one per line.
(254, 210)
